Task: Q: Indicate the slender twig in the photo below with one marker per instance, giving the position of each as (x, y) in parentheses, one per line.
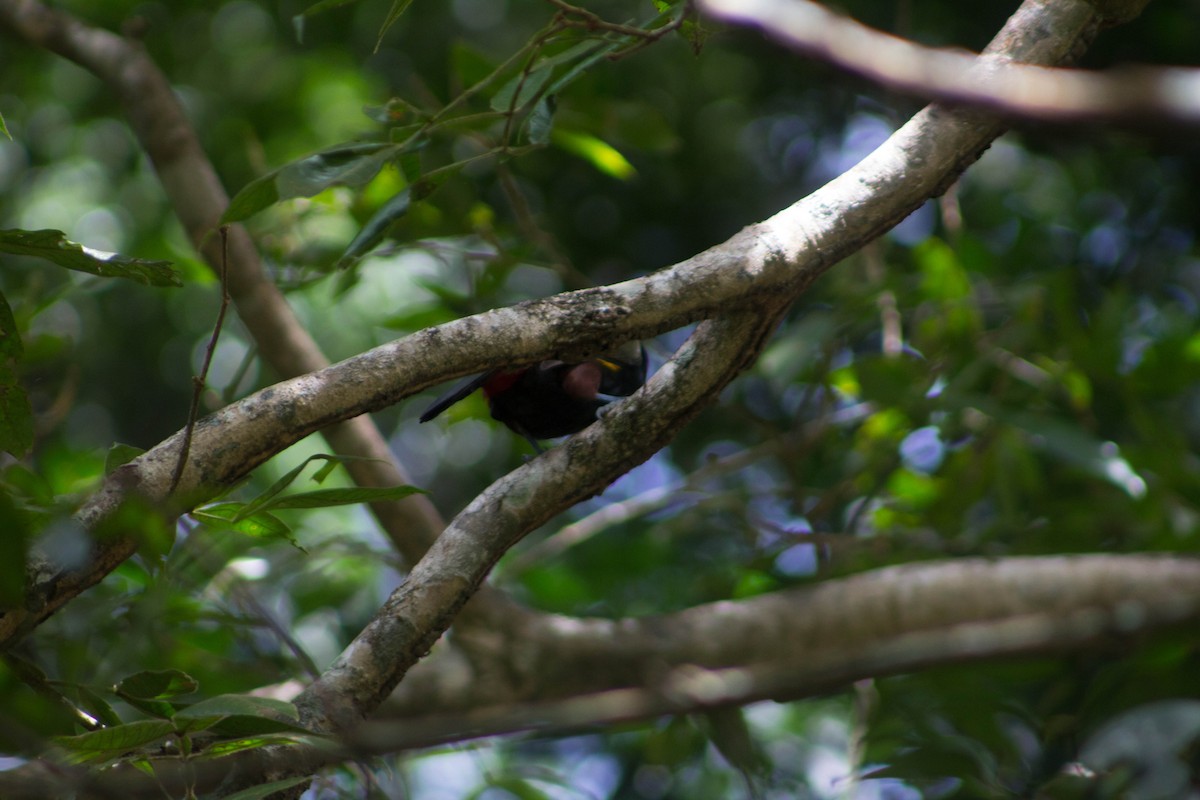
(199, 381)
(485, 81)
(591, 21)
(540, 41)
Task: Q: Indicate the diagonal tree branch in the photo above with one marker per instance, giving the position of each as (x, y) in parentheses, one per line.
(774, 259)
(784, 253)
(1138, 96)
(442, 582)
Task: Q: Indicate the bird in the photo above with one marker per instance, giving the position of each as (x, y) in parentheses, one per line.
(552, 398)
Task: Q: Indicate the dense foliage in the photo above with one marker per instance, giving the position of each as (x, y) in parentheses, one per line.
(1013, 370)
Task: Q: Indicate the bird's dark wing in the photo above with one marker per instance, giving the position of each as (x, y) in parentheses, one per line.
(454, 395)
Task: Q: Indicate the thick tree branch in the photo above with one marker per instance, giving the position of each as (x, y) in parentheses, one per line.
(442, 582)
(771, 260)
(784, 253)
(1138, 96)
(782, 646)
(884, 622)
(888, 620)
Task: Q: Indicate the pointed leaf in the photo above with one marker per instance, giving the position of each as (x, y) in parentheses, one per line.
(242, 725)
(157, 684)
(267, 789)
(522, 88)
(373, 232)
(577, 69)
(325, 498)
(112, 742)
(231, 516)
(229, 704)
(541, 120)
(98, 706)
(278, 486)
(348, 165)
(54, 246)
(345, 165)
(394, 13)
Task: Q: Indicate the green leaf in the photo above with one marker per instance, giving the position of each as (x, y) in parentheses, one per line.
(729, 731)
(259, 525)
(266, 789)
(325, 471)
(278, 486)
(26, 671)
(576, 53)
(112, 742)
(325, 498)
(230, 704)
(577, 69)
(410, 165)
(97, 706)
(541, 121)
(373, 232)
(596, 152)
(254, 197)
(240, 716)
(344, 165)
(4, 128)
(522, 89)
(243, 725)
(54, 246)
(395, 111)
(119, 454)
(156, 684)
(394, 13)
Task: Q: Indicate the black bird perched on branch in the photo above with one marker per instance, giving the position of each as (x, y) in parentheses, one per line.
(553, 398)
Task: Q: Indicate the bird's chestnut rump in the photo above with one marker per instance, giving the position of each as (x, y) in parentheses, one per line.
(553, 398)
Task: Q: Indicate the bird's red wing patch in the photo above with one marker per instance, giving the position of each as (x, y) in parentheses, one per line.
(501, 382)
